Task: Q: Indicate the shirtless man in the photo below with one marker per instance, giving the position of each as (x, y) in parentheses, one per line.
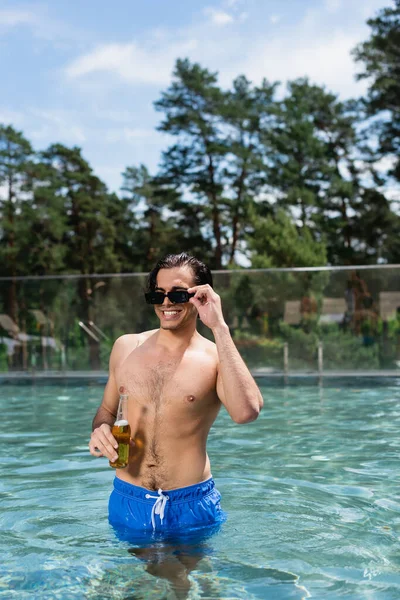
(176, 381)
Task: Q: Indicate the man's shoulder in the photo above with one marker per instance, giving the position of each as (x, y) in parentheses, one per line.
(125, 344)
(131, 340)
(208, 346)
(125, 340)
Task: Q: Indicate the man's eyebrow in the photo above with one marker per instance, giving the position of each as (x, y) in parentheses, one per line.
(176, 287)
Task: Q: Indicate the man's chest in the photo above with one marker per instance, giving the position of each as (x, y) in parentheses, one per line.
(163, 382)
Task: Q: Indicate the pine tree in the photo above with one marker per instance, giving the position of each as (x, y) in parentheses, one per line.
(90, 234)
(192, 107)
(247, 112)
(15, 155)
(380, 56)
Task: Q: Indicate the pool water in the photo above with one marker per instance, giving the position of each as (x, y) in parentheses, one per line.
(311, 490)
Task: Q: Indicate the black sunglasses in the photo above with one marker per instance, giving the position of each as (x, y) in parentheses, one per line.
(177, 297)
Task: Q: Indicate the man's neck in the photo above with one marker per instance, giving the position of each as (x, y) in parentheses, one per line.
(176, 339)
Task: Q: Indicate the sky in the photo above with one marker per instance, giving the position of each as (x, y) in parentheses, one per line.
(87, 72)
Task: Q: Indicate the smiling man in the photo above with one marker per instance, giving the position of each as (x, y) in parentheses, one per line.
(176, 381)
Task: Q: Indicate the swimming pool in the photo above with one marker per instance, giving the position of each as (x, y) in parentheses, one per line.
(311, 490)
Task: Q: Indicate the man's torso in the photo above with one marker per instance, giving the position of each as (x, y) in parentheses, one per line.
(172, 405)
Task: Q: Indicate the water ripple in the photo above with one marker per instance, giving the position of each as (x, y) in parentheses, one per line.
(310, 488)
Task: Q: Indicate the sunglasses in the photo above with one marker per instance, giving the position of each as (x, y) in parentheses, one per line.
(177, 297)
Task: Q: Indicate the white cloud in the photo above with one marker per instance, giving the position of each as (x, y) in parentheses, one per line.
(47, 125)
(218, 17)
(112, 176)
(275, 19)
(61, 125)
(132, 63)
(11, 117)
(113, 115)
(66, 135)
(308, 49)
(58, 32)
(138, 133)
(311, 47)
(368, 8)
(14, 17)
(132, 135)
(333, 6)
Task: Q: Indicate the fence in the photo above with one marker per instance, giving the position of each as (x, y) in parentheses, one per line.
(282, 320)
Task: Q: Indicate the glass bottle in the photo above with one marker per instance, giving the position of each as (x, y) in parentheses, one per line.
(121, 430)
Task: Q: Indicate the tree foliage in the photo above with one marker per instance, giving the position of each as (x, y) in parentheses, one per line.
(279, 180)
(277, 242)
(380, 56)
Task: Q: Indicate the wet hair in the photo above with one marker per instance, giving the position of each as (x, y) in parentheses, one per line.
(201, 272)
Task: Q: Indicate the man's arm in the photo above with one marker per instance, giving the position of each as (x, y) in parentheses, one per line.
(236, 388)
(102, 442)
(107, 411)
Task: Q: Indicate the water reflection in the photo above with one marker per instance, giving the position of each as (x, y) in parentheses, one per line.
(174, 558)
(311, 489)
(170, 556)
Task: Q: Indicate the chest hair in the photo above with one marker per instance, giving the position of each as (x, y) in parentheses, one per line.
(159, 376)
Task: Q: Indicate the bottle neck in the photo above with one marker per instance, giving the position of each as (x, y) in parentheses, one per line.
(122, 413)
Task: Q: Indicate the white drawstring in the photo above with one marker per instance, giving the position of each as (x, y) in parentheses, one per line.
(159, 506)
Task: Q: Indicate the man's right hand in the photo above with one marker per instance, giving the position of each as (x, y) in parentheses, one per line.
(103, 443)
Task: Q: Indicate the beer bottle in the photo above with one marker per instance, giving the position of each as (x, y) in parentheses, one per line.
(122, 432)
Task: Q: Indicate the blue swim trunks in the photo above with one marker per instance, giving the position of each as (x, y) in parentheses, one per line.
(181, 509)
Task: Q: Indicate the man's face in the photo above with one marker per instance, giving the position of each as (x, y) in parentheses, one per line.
(174, 316)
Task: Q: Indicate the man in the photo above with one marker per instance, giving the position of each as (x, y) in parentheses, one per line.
(176, 381)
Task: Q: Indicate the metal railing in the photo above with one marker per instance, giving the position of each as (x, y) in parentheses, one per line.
(320, 320)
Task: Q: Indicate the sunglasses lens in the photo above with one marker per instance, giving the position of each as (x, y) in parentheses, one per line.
(154, 297)
(178, 297)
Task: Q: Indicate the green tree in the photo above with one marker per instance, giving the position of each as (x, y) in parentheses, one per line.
(163, 223)
(299, 170)
(126, 248)
(42, 247)
(376, 230)
(247, 111)
(318, 174)
(219, 157)
(192, 107)
(276, 241)
(90, 233)
(15, 155)
(380, 56)
(341, 196)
